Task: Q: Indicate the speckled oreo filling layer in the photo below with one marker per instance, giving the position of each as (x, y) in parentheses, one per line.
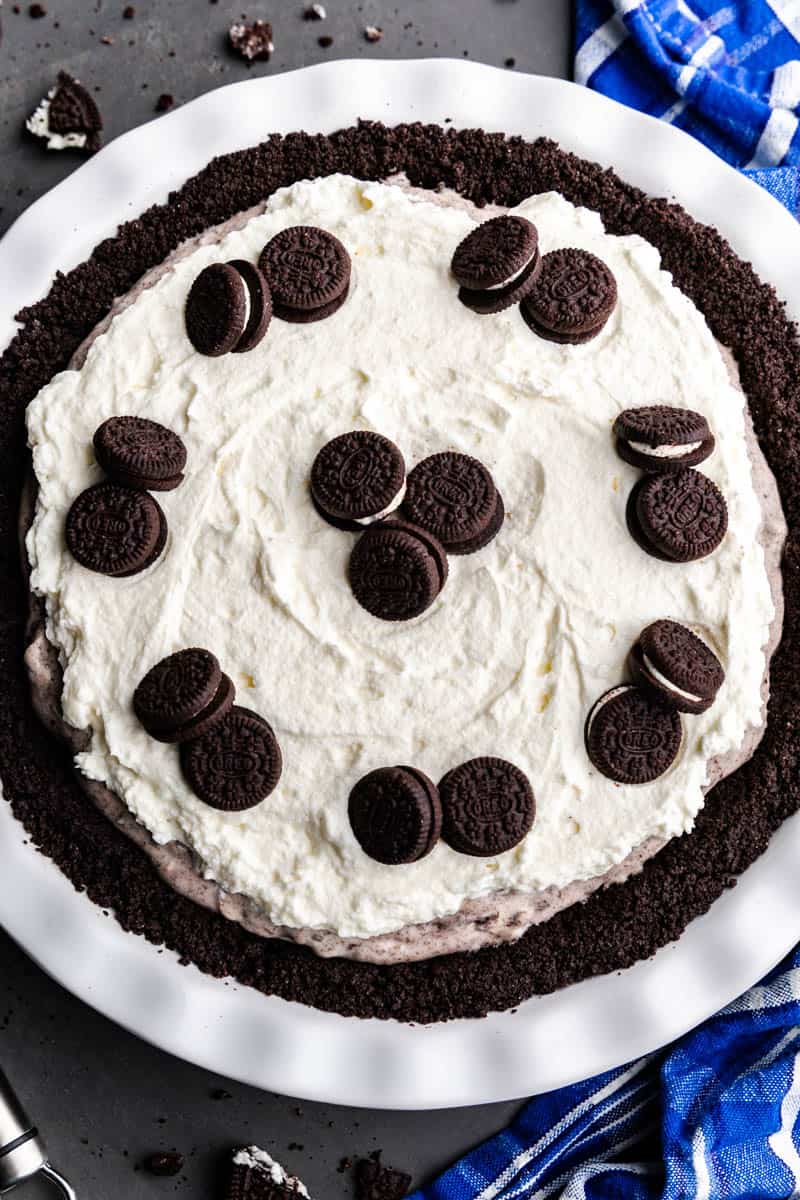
(615, 927)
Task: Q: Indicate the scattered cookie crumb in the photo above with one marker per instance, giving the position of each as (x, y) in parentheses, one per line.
(164, 1163)
(373, 33)
(165, 102)
(510, 62)
(315, 12)
(129, 13)
(107, 39)
(376, 1182)
(253, 42)
(325, 41)
(37, 11)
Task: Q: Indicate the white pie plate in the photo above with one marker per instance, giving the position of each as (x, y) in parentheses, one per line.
(551, 1040)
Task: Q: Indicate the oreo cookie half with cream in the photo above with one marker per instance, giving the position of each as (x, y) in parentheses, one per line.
(678, 665)
(659, 438)
(67, 118)
(496, 265)
(256, 1176)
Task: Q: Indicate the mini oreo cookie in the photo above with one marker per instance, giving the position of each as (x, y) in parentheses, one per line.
(176, 689)
(308, 270)
(139, 453)
(454, 497)
(497, 264)
(228, 308)
(632, 736)
(115, 530)
(358, 478)
(488, 807)
(682, 516)
(206, 720)
(659, 438)
(397, 570)
(674, 662)
(236, 765)
(572, 298)
(395, 814)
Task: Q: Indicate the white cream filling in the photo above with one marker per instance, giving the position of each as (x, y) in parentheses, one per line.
(659, 677)
(665, 451)
(39, 125)
(522, 640)
(498, 287)
(255, 1158)
(397, 500)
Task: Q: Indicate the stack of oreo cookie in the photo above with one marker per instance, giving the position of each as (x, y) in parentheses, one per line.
(229, 755)
(116, 527)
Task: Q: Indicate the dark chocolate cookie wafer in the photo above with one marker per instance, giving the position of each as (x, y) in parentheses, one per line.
(308, 270)
(396, 570)
(140, 453)
(206, 720)
(236, 765)
(453, 496)
(632, 736)
(115, 530)
(374, 1181)
(487, 805)
(358, 477)
(573, 297)
(395, 814)
(677, 664)
(301, 316)
(260, 305)
(497, 263)
(183, 696)
(683, 515)
(216, 310)
(659, 438)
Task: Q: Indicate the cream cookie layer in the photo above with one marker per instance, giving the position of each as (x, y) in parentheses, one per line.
(525, 635)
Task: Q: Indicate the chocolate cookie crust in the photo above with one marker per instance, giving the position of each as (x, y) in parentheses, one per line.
(615, 927)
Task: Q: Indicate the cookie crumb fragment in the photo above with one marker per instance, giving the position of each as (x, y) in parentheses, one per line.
(325, 41)
(164, 1163)
(67, 118)
(164, 102)
(252, 42)
(315, 12)
(128, 13)
(37, 11)
(376, 1182)
(256, 1176)
(373, 33)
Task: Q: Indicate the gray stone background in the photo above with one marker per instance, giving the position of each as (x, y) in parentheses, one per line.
(103, 1098)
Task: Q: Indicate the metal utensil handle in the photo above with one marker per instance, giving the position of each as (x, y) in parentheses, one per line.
(22, 1152)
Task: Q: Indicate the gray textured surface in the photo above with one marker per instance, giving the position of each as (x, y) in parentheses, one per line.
(103, 1098)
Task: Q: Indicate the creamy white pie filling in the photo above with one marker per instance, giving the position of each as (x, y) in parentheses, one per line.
(525, 635)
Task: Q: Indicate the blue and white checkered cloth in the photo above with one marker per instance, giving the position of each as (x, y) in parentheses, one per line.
(729, 74)
(723, 1102)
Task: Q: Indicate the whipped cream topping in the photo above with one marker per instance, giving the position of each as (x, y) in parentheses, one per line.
(524, 637)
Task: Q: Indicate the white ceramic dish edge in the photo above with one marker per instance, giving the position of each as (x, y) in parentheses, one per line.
(551, 1040)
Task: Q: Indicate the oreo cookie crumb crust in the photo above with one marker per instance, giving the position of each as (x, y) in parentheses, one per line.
(617, 925)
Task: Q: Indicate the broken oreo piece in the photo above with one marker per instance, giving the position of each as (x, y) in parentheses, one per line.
(632, 736)
(658, 438)
(397, 570)
(183, 696)
(252, 42)
(573, 297)
(228, 308)
(358, 478)
(374, 1181)
(488, 807)
(256, 1176)
(139, 453)
(681, 516)
(674, 662)
(115, 530)
(67, 118)
(236, 765)
(308, 270)
(454, 497)
(497, 264)
(395, 814)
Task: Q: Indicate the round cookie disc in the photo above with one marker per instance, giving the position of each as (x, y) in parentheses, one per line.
(662, 438)
(260, 305)
(139, 453)
(395, 814)
(632, 736)
(236, 765)
(488, 807)
(307, 268)
(358, 476)
(176, 689)
(216, 310)
(572, 298)
(453, 496)
(396, 571)
(115, 530)
(682, 514)
(494, 252)
(677, 664)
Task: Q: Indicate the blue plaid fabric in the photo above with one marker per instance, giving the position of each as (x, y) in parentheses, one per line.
(729, 74)
(716, 1114)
